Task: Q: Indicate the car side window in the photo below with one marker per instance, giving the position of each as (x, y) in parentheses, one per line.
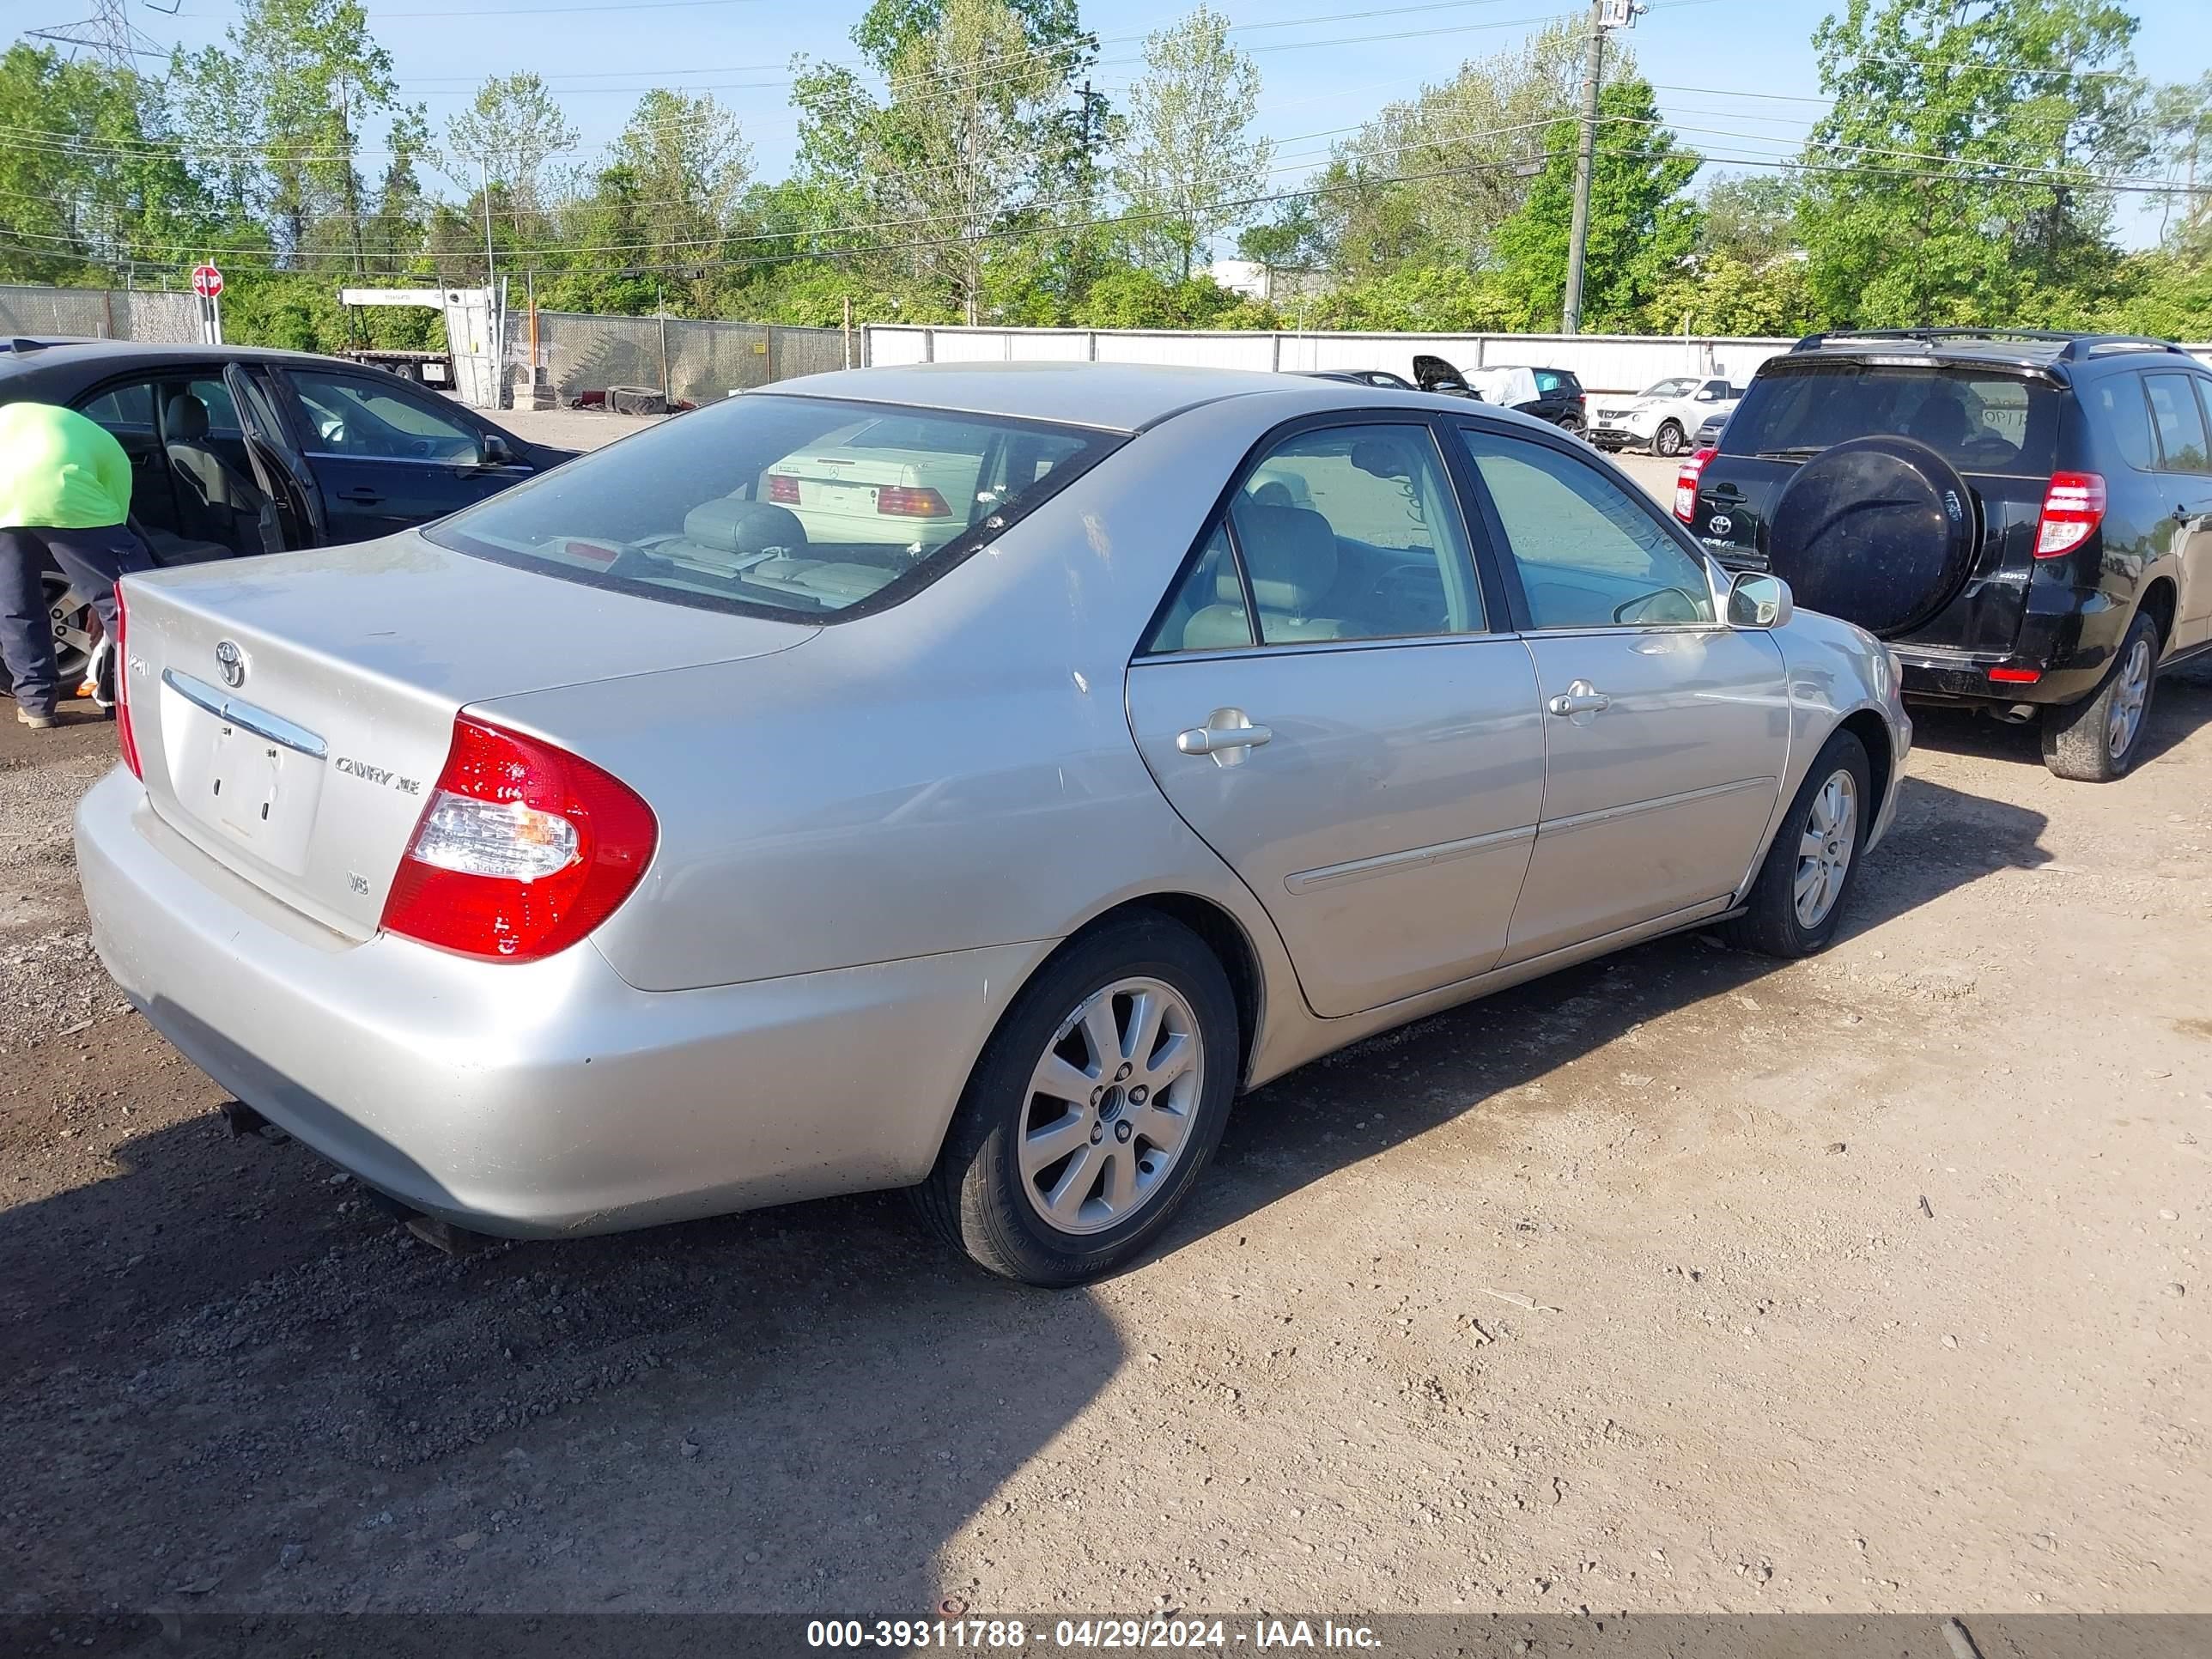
(356, 417)
(1206, 611)
(2116, 404)
(123, 409)
(1347, 533)
(2180, 423)
(1588, 557)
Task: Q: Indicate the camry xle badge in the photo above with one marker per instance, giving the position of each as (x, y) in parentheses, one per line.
(1719, 523)
(231, 660)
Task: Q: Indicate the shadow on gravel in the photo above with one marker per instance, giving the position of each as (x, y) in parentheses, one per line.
(229, 1382)
(2181, 704)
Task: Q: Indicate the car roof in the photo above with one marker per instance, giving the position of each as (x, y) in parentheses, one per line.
(29, 352)
(2063, 354)
(1111, 396)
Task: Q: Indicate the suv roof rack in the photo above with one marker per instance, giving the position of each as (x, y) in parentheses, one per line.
(2072, 347)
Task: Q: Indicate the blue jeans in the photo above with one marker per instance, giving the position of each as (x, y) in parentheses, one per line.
(92, 560)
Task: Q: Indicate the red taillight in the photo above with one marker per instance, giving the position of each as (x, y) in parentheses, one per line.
(2073, 507)
(523, 849)
(783, 488)
(2016, 675)
(119, 666)
(908, 501)
(1686, 485)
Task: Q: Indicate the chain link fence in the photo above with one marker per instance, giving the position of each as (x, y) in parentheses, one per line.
(690, 361)
(100, 314)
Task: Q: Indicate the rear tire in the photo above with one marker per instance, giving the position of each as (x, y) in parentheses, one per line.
(1809, 869)
(1056, 1189)
(1669, 440)
(2099, 739)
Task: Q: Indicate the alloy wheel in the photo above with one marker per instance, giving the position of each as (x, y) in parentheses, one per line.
(2130, 691)
(71, 622)
(1824, 845)
(1108, 1110)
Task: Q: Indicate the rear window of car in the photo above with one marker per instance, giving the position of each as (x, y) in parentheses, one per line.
(1979, 421)
(1551, 379)
(808, 508)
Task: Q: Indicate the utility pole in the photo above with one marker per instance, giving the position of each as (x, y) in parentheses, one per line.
(1604, 15)
(483, 171)
(352, 180)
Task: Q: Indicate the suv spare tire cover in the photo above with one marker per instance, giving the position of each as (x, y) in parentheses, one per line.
(1878, 530)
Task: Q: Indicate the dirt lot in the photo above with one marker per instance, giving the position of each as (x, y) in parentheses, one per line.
(1676, 1282)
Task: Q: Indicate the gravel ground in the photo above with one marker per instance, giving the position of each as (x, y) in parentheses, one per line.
(1678, 1282)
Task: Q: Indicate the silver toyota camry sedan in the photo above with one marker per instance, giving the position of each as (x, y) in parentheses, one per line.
(962, 778)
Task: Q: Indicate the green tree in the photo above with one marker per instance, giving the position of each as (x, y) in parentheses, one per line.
(1958, 174)
(508, 134)
(1751, 217)
(281, 105)
(89, 179)
(1641, 224)
(1190, 158)
(1431, 178)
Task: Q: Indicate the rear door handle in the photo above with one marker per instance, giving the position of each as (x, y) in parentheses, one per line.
(1227, 735)
(1580, 698)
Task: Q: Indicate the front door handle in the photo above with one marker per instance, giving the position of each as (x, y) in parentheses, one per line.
(360, 495)
(1227, 735)
(1580, 698)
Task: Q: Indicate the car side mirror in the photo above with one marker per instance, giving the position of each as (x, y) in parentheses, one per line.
(1758, 600)
(494, 451)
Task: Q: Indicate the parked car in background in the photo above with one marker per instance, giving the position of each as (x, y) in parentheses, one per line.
(1708, 434)
(1553, 395)
(2026, 517)
(1661, 417)
(237, 451)
(621, 850)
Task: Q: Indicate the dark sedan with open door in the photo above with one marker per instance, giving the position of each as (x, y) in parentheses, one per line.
(237, 451)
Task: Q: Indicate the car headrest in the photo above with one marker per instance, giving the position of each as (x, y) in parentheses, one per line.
(731, 525)
(1290, 552)
(187, 421)
(1941, 420)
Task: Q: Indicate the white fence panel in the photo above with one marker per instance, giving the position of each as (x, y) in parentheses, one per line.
(1604, 363)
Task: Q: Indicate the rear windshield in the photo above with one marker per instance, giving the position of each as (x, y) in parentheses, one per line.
(803, 507)
(1979, 421)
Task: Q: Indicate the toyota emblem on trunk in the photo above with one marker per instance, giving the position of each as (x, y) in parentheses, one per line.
(231, 660)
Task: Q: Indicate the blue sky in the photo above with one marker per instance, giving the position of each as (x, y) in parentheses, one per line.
(1734, 68)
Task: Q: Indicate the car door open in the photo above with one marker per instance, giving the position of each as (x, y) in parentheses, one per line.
(1666, 731)
(1321, 703)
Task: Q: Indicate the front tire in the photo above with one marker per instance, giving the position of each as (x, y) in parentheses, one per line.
(1669, 440)
(1093, 1109)
(2099, 739)
(1798, 896)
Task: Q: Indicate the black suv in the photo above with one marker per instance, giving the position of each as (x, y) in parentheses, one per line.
(2026, 517)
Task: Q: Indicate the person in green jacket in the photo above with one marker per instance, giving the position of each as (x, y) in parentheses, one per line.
(64, 505)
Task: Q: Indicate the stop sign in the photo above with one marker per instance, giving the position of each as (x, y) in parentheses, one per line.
(207, 282)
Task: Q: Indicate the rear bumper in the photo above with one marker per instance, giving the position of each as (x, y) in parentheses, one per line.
(538, 1099)
(1958, 678)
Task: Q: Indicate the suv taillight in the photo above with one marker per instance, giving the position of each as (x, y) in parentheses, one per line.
(2073, 507)
(1686, 485)
(119, 666)
(523, 849)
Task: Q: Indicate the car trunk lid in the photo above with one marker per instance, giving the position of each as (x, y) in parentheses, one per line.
(292, 714)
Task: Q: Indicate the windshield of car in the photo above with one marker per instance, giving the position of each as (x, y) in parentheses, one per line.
(1677, 388)
(1978, 420)
(793, 505)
